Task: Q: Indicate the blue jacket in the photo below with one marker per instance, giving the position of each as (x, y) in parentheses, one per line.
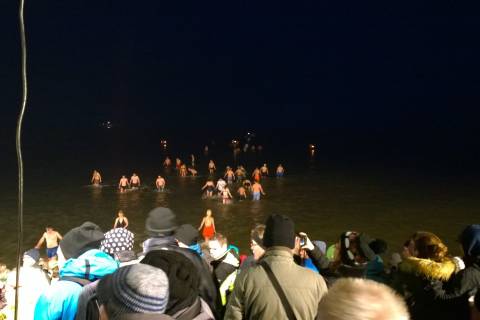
(60, 300)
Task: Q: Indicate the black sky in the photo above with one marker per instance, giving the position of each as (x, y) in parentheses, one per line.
(310, 64)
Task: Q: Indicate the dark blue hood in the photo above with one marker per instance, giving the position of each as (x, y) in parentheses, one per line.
(470, 240)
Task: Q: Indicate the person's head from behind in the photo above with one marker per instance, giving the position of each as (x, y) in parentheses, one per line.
(137, 288)
(79, 240)
(426, 245)
(161, 222)
(183, 278)
(360, 299)
(470, 241)
(279, 232)
(256, 241)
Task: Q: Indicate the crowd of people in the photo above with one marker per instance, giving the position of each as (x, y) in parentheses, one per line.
(184, 272)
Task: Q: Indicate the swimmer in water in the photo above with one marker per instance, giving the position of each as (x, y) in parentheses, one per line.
(239, 173)
(96, 178)
(242, 193)
(208, 225)
(121, 221)
(221, 184)
(229, 175)
(226, 196)
(51, 237)
(167, 163)
(183, 170)
(280, 171)
(211, 167)
(160, 183)
(264, 170)
(135, 181)
(256, 191)
(193, 172)
(247, 184)
(210, 187)
(123, 184)
(256, 174)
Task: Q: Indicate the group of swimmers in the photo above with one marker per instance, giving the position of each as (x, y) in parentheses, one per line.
(221, 187)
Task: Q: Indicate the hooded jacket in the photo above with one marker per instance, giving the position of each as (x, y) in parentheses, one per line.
(413, 281)
(60, 300)
(464, 284)
(254, 296)
(206, 287)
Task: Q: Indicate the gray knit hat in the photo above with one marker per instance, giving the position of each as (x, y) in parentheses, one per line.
(137, 288)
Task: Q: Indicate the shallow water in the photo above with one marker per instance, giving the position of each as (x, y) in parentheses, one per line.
(323, 195)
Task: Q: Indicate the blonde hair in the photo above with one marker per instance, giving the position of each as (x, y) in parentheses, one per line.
(360, 299)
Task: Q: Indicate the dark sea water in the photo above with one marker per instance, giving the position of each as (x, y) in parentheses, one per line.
(386, 185)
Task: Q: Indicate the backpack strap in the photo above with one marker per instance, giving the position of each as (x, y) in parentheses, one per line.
(280, 292)
(80, 281)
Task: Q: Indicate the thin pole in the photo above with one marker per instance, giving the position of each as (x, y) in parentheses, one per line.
(19, 151)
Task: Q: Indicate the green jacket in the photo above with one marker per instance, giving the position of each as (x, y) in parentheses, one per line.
(254, 296)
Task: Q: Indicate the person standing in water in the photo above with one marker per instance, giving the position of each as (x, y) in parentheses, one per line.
(256, 175)
(123, 184)
(167, 163)
(51, 237)
(257, 190)
(211, 167)
(210, 186)
(135, 181)
(280, 171)
(242, 193)
(96, 178)
(160, 183)
(178, 164)
(121, 221)
(208, 225)
(183, 170)
(240, 173)
(229, 175)
(264, 170)
(226, 196)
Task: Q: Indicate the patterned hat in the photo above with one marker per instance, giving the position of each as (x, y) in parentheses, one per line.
(138, 288)
(116, 240)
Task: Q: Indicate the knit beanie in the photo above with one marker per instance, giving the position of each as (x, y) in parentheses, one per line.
(116, 240)
(187, 234)
(279, 231)
(81, 239)
(137, 288)
(161, 222)
(182, 276)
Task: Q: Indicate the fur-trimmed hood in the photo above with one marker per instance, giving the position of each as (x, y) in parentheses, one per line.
(428, 269)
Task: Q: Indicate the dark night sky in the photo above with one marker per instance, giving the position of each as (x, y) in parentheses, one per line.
(314, 64)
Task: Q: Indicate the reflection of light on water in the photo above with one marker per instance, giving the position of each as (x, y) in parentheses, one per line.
(161, 200)
(312, 152)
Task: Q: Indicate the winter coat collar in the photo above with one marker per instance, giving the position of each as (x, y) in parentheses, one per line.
(428, 269)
